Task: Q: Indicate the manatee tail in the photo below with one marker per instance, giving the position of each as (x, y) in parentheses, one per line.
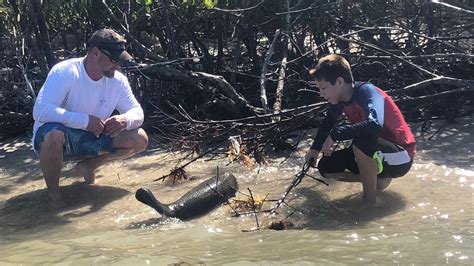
(144, 195)
(198, 201)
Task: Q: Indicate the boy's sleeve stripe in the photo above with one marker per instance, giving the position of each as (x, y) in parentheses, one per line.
(377, 107)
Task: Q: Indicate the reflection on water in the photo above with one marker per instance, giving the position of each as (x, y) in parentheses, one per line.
(425, 217)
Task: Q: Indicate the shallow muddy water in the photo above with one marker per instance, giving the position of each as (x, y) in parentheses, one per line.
(425, 217)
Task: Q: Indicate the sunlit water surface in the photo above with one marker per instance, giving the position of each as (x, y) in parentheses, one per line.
(425, 217)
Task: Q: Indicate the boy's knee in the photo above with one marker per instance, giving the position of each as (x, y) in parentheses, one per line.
(323, 166)
(357, 151)
(364, 146)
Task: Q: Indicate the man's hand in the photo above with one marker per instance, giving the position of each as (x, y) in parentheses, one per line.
(95, 125)
(312, 154)
(115, 124)
(328, 146)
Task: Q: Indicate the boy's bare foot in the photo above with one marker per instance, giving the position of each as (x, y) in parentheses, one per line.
(382, 183)
(378, 202)
(55, 201)
(369, 201)
(86, 172)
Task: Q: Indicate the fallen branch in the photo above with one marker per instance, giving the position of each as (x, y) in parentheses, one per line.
(296, 181)
(369, 45)
(192, 79)
(440, 80)
(268, 58)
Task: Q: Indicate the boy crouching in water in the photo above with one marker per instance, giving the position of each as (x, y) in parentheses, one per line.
(382, 146)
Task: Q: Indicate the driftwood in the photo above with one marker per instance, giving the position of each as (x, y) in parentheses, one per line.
(268, 58)
(200, 81)
(446, 81)
(195, 80)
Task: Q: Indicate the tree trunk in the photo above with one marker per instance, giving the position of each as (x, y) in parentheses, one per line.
(42, 34)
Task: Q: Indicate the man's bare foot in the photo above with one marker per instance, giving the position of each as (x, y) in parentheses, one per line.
(86, 172)
(55, 201)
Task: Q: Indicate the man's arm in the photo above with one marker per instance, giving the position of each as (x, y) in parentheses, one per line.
(129, 107)
(47, 105)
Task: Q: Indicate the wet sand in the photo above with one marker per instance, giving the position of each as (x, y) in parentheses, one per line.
(425, 217)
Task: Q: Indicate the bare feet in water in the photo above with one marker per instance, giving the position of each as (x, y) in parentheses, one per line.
(378, 203)
(86, 172)
(55, 201)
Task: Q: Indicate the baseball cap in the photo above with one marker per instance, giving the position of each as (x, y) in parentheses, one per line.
(111, 44)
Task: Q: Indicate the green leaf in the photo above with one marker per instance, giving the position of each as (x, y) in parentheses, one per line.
(145, 2)
(210, 3)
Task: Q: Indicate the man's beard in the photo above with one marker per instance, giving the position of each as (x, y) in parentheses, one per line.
(109, 73)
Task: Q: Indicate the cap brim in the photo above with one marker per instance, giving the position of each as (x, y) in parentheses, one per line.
(124, 56)
(129, 64)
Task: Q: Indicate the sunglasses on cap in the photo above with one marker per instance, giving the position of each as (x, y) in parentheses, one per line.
(107, 53)
(116, 52)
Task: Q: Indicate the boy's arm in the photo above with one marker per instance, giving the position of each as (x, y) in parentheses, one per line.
(47, 105)
(372, 102)
(332, 115)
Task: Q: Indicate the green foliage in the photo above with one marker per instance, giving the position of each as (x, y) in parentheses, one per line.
(200, 3)
(210, 3)
(145, 2)
(2, 9)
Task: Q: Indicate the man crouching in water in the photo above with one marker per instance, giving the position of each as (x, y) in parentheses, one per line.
(382, 146)
(73, 111)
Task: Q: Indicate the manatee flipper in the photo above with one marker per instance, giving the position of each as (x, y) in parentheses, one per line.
(198, 201)
(144, 195)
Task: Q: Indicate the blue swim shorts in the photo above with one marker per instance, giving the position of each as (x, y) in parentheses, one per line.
(78, 143)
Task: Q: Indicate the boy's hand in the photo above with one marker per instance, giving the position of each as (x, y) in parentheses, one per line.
(327, 146)
(312, 154)
(115, 124)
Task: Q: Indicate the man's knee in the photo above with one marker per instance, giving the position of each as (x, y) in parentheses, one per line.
(54, 139)
(142, 140)
(135, 139)
(138, 141)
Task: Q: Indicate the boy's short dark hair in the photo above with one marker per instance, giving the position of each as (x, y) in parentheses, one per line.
(330, 67)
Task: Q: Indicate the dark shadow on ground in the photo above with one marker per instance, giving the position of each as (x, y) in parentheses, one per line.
(17, 159)
(319, 213)
(30, 210)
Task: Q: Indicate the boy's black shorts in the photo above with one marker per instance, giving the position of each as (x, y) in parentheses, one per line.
(395, 161)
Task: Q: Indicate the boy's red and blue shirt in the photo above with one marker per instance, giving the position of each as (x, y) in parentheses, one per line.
(370, 111)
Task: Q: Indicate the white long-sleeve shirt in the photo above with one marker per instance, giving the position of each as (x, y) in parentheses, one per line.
(69, 96)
